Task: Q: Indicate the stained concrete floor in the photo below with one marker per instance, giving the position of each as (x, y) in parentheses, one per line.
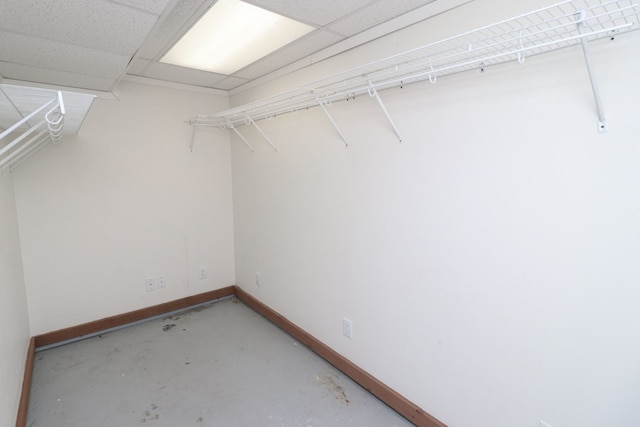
(220, 364)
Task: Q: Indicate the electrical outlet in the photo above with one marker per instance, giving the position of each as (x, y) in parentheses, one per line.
(203, 273)
(162, 283)
(347, 328)
(258, 278)
(150, 284)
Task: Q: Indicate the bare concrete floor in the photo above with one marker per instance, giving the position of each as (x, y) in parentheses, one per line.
(215, 365)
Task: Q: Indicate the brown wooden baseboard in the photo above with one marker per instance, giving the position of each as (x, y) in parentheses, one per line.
(103, 325)
(394, 400)
(130, 317)
(23, 406)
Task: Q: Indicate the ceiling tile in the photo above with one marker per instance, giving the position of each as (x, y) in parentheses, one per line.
(376, 14)
(319, 13)
(55, 55)
(89, 43)
(174, 73)
(153, 6)
(58, 78)
(180, 16)
(297, 50)
(97, 24)
(137, 66)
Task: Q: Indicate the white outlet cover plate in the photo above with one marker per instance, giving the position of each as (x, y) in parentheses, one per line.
(347, 328)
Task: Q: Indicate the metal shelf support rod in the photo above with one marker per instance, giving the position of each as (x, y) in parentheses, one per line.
(324, 108)
(193, 136)
(242, 137)
(374, 93)
(250, 120)
(602, 122)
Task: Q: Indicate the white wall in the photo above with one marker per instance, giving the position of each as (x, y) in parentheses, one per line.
(125, 200)
(490, 262)
(13, 306)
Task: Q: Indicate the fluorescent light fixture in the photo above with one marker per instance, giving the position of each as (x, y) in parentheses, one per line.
(232, 35)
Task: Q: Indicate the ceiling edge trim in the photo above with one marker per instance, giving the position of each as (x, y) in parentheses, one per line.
(424, 12)
(173, 85)
(96, 93)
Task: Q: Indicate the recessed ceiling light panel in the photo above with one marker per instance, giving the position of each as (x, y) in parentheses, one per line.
(232, 35)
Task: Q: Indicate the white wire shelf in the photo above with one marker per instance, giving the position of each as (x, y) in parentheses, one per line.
(561, 25)
(33, 117)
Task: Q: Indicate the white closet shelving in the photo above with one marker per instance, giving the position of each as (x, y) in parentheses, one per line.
(564, 24)
(34, 117)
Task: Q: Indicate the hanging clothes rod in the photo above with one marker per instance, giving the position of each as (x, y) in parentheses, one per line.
(534, 33)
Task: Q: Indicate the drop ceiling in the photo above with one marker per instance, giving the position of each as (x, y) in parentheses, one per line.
(94, 44)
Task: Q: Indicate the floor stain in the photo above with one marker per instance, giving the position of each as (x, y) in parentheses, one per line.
(200, 420)
(148, 416)
(329, 381)
(168, 326)
(179, 316)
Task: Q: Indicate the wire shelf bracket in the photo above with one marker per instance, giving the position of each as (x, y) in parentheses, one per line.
(323, 103)
(558, 26)
(374, 94)
(16, 151)
(231, 126)
(249, 120)
(47, 122)
(602, 122)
